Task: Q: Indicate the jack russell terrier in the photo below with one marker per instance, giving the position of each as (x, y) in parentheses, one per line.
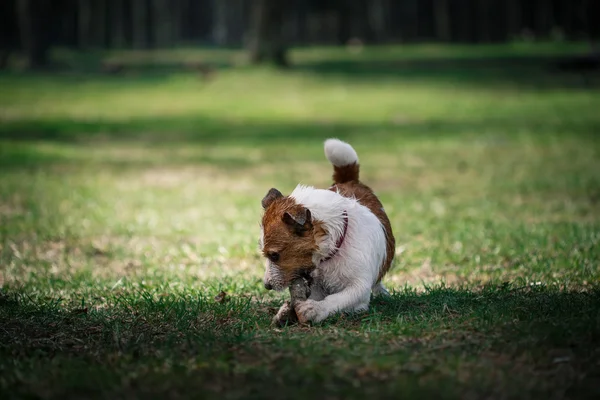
(341, 238)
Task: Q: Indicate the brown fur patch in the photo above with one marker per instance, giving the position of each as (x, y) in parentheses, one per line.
(295, 246)
(347, 173)
(272, 195)
(367, 198)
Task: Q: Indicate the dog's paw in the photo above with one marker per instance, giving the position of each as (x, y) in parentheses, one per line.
(285, 316)
(311, 311)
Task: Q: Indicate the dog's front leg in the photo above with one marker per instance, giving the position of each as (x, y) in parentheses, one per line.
(352, 298)
(317, 292)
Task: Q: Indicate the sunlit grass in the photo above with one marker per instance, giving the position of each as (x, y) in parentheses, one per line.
(128, 202)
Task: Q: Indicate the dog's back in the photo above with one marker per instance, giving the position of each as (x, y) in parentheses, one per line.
(346, 182)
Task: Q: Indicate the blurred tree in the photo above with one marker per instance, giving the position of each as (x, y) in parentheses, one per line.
(442, 20)
(513, 18)
(177, 18)
(8, 39)
(267, 27)
(162, 22)
(139, 16)
(544, 14)
(484, 20)
(116, 24)
(33, 23)
(266, 44)
(378, 19)
(410, 20)
(84, 23)
(221, 29)
(99, 22)
(93, 22)
(464, 17)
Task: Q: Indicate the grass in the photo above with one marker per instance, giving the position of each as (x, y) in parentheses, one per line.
(128, 202)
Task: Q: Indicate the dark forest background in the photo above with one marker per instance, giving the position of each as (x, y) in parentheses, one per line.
(268, 27)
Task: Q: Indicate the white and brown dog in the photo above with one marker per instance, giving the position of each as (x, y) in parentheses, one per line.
(341, 236)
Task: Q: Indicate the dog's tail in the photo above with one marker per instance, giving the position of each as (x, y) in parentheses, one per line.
(344, 160)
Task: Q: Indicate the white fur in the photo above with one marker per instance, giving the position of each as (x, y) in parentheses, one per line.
(340, 153)
(346, 280)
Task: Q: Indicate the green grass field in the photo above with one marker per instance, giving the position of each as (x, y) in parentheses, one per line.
(129, 201)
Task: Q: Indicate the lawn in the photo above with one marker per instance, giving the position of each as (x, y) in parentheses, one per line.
(129, 201)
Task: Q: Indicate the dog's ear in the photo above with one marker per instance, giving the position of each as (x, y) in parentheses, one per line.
(300, 220)
(270, 197)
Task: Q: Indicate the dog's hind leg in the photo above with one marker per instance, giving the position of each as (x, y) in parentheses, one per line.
(379, 290)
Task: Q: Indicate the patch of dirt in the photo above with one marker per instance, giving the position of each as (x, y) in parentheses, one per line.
(10, 210)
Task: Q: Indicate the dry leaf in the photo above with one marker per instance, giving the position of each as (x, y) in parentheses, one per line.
(221, 297)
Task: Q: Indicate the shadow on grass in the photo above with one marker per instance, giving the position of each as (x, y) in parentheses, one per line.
(172, 343)
(534, 72)
(175, 132)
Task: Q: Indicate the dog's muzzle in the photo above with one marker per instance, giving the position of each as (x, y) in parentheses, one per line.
(273, 279)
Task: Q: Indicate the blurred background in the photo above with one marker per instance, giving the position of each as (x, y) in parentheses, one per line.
(149, 130)
(267, 28)
(137, 138)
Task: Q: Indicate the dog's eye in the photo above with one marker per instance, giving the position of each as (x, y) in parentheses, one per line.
(273, 256)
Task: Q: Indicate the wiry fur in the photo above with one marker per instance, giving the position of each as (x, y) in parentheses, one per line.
(340, 153)
(345, 281)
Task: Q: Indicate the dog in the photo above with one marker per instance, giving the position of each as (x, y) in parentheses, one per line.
(340, 237)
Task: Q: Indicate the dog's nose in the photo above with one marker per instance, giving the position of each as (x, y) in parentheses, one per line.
(268, 286)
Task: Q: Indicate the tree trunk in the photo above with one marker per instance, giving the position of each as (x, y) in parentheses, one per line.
(84, 23)
(410, 20)
(544, 18)
(266, 45)
(378, 19)
(345, 26)
(32, 28)
(298, 23)
(513, 18)
(7, 32)
(177, 16)
(442, 20)
(465, 26)
(235, 18)
(117, 27)
(139, 14)
(163, 22)
(360, 24)
(99, 24)
(220, 27)
(483, 21)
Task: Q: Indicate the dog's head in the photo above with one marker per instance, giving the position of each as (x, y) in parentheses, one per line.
(289, 239)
